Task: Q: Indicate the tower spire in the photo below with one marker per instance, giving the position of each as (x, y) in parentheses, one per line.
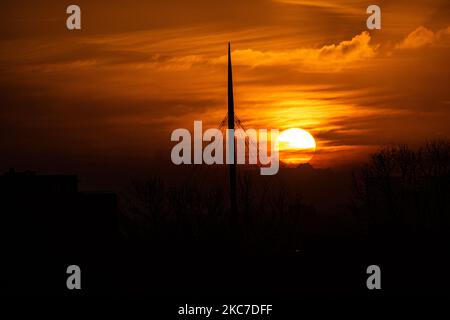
(231, 166)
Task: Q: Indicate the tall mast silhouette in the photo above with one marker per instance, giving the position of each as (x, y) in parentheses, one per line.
(231, 166)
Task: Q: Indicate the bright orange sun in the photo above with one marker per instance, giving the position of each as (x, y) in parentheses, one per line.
(296, 146)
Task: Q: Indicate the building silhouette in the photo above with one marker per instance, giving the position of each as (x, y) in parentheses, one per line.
(46, 210)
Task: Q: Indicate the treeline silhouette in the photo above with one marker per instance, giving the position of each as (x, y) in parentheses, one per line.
(404, 191)
(196, 214)
(395, 215)
(400, 192)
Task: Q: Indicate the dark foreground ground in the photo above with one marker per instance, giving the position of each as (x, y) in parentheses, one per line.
(327, 267)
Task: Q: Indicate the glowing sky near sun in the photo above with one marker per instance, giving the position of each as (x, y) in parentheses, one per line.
(139, 69)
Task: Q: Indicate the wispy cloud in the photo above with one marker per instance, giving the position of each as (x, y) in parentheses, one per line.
(344, 6)
(422, 37)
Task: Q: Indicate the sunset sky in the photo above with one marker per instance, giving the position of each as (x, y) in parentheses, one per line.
(137, 70)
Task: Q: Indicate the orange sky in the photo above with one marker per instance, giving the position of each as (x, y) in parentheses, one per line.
(140, 69)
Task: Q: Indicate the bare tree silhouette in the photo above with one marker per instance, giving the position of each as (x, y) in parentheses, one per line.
(196, 215)
(406, 191)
